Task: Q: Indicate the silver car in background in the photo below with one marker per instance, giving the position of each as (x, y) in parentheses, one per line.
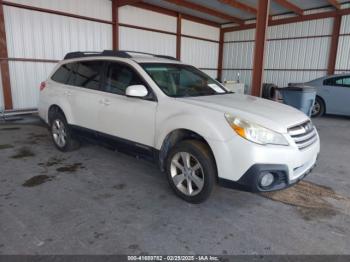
(333, 95)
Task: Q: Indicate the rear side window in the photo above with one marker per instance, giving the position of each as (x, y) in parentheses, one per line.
(344, 81)
(119, 77)
(87, 74)
(62, 74)
(329, 82)
(338, 81)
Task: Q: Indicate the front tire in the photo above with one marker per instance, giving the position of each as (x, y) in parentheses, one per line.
(318, 108)
(61, 133)
(191, 171)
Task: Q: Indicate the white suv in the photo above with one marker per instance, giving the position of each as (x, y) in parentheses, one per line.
(159, 108)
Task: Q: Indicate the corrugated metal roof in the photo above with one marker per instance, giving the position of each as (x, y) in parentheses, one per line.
(275, 9)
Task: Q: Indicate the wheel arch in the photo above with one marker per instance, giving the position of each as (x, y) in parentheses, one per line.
(176, 136)
(59, 108)
(52, 110)
(323, 101)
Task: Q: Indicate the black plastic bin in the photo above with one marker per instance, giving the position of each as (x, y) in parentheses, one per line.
(300, 97)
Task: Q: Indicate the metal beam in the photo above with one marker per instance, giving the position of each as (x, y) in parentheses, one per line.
(206, 10)
(115, 27)
(332, 59)
(335, 3)
(239, 5)
(292, 20)
(127, 2)
(5, 71)
(221, 54)
(292, 7)
(259, 49)
(178, 36)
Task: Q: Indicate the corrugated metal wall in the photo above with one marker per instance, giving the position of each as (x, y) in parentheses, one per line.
(100, 9)
(37, 35)
(200, 53)
(343, 55)
(192, 50)
(298, 52)
(295, 52)
(147, 41)
(238, 56)
(141, 17)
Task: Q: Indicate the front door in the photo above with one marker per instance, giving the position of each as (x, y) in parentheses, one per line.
(131, 119)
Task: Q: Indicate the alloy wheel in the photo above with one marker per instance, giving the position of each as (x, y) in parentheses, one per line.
(59, 133)
(316, 108)
(187, 173)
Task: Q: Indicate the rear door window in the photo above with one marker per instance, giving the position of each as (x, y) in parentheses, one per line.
(87, 74)
(62, 74)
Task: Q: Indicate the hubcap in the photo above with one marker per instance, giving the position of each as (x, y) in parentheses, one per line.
(59, 133)
(187, 173)
(316, 109)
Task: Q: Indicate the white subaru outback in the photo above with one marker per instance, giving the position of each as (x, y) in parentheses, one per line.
(159, 108)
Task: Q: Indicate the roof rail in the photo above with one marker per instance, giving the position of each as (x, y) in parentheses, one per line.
(79, 54)
(122, 54)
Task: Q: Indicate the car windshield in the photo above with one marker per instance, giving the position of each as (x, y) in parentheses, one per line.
(177, 80)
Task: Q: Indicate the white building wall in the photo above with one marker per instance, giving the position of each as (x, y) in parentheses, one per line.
(200, 30)
(141, 17)
(100, 9)
(238, 56)
(38, 35)
(146, 41)
(25, 82)
(32, 34)
(343, 54)
(200, 53)
(290, 55)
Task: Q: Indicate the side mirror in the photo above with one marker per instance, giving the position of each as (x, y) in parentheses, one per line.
(136, 91)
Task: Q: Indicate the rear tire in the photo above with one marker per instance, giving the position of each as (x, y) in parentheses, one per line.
(318, 108)
(191, 171)
(61, 133)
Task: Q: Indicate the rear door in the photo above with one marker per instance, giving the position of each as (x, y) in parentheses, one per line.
(84, 93)
(131, 119)
(336, 92)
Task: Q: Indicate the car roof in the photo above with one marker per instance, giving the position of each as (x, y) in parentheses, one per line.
(138, 59)
(336, 75)
(136, 56)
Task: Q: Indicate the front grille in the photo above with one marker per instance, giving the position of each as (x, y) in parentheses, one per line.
(304, 135)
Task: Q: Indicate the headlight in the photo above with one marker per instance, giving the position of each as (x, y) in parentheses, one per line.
(254, 132)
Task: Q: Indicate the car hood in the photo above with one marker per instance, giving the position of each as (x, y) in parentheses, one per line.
(267, 113)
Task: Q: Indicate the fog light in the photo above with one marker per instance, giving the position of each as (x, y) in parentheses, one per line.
(266, 180)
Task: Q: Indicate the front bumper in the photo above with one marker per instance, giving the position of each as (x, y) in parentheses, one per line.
(240, 163)
(250, 181)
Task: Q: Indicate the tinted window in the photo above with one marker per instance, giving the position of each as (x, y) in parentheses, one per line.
(344, 81)
(119, 77)
(87, 74)
(62, 74)
(337, 81)
(329, 82)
